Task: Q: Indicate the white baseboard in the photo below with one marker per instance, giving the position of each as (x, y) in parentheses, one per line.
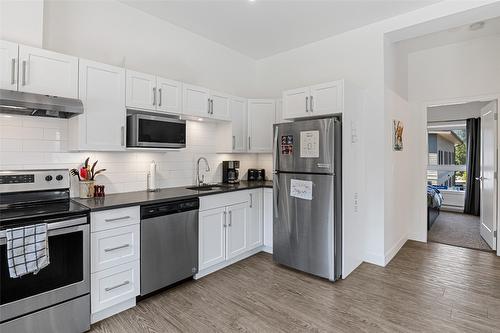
(389, 255)
(103, 314)
(267, 249)
(374, 258)
(226, 263)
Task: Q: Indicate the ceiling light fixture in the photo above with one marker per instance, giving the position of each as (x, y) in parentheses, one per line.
(476, 26)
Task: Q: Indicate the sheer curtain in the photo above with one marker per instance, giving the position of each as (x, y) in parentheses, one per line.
(472, 192)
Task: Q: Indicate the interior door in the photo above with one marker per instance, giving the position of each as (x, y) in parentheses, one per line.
(326, 98)
(296, 103)
(237, 224)
(141, 90)
(102, 91)
(46, 72)
(212, 239)
(169, 95)
(196, 100)
(238, 109)
(8, 65)
(220, 106)
(488, 169)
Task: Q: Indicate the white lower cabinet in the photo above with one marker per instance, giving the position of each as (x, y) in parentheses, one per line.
(230, 229)
(115, 261)
(255, 230)
(212, 238)
(268, 219)
(236, 226)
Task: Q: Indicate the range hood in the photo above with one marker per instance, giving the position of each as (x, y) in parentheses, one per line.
(30, 104)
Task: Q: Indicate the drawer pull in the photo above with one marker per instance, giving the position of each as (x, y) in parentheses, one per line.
(117, 248)
(117, 219)
(117, 286)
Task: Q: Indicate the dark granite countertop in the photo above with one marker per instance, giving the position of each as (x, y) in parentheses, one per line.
(120, 200)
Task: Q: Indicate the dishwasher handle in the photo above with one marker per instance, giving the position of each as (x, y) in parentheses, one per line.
(169, 208)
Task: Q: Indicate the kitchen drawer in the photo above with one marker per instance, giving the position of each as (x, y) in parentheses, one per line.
(114, 247)
(225, 199)
(114, 218)
(114, 285)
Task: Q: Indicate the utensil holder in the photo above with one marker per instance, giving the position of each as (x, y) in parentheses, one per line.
(86, 189)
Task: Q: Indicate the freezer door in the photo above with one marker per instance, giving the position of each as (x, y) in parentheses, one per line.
(305, 146)
(304, 230)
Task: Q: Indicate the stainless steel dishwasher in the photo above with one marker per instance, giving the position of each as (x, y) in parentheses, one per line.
(169, 243)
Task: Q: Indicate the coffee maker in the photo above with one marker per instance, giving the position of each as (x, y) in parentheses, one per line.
(230, 172)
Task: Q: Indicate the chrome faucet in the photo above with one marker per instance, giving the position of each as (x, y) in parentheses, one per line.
(201, 180)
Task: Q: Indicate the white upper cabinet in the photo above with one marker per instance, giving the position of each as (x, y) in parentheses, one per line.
(318, 100)
(278, 115)
(46, 72)
(326, 98)
(296, 102)
(196, 100)
(102, 125)
(141, 91)
(238, 113)
(9, 56)
(219, 105)
(260, 125)
(169, 96)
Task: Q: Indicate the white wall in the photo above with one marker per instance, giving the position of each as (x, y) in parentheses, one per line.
(444, 74)
(22, 21)
(40, 143)
(116, 34)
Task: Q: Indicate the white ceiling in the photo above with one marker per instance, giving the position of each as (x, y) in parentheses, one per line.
(263, 28)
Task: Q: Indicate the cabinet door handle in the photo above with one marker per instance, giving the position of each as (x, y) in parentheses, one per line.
(211, 106)
(24, 72)
(251, 200)
(307, 100)
(13, 72)
(159, 97)
(234, 142)
(208, 106)
(311, 104)
(249, 144)
(117, 219)
(154, 96)
(123, 135)
(124, 283)
(225, 218)
(116, 248)
(230, 218)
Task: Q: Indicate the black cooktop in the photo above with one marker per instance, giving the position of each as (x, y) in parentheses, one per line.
(39, 211)
(39, 206)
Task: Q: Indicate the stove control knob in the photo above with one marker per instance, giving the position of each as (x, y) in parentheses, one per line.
(59, 177)
(48, 178)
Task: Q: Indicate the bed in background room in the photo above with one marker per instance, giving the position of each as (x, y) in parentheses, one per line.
(434, 202)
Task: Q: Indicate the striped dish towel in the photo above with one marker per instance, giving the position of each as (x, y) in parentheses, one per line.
(27, 249)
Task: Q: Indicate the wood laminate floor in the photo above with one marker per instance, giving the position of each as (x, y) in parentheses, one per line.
(426, 288)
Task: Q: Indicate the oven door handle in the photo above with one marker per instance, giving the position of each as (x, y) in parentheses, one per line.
(53, 228)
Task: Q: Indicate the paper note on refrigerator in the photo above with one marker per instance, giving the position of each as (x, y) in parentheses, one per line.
(309, 144)
(301, 189)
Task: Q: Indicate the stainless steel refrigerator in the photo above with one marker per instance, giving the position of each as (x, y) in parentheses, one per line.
(307, 216)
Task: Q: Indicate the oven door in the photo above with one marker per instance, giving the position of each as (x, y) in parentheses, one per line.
(155, 131)
(66, 277)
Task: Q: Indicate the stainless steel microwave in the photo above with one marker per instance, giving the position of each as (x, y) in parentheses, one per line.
(149, 131)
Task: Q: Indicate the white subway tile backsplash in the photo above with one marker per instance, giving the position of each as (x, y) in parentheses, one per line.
(41, 143)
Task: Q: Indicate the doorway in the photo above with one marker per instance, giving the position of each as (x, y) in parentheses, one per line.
(461, 174)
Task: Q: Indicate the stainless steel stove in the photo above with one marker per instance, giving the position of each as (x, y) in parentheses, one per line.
(57, 298)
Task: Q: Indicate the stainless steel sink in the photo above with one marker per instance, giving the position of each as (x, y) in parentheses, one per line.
(206, 187)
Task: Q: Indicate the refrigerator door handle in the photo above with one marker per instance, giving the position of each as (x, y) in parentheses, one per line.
(275, 149)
